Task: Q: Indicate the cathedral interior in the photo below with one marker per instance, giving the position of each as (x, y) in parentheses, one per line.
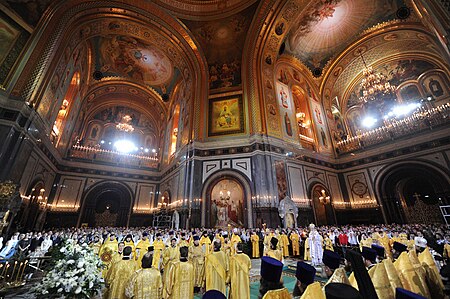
(120, 113)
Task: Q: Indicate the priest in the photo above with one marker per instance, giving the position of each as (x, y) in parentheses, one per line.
(240, 266)
(145, 282)
(179, 282)
(216, 270)
(120, 275)
(197, 258)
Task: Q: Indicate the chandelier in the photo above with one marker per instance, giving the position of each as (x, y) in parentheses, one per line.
(125, 125)
(375, 86)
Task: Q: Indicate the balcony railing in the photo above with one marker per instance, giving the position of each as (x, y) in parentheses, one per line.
(112, 157)
(420, 120)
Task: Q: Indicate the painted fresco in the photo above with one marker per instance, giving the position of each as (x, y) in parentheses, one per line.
(125, 56)
(222, 41)
(12, 40)
(227, 204)
(282, 184)
(320, 124)
(286, 108)
(226, 116)
(328, 26)
(396, 72)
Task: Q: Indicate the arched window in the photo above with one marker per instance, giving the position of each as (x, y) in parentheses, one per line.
(64, 110)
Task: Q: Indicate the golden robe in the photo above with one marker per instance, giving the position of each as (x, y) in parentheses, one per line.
(216, 270)
(277, 294)
(276, 254)
(119, 277)
(433, 277)
(205, 242)
(234, 240)
(381, 282)
(446, 253)
(313, 291)
(179, 280)
(365, 243)
(107, 251)
(141, 250)
(295, 245)
(170, 254)
(307, 256)
(133, 248)
(327, 244)
(197, 258)
(96, 247)
(226, 247)
(145, 284)
(420, 270)
(183, 243)
(340, 276)
(408, 276)
(158, 246)
(266, 242)
(353, 281)
(392, 274)
(255, 245)
(285, 244)
(240, 266)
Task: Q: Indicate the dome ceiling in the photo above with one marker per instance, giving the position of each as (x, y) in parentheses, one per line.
(327, 27)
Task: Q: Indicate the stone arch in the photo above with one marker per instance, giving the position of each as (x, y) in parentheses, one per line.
(212, 181)
(323, 212)
(121, 201)
(392, 187)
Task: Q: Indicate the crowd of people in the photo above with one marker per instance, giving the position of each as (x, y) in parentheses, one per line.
(366, 261)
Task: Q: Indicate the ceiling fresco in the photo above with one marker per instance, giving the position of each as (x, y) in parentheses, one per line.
(131, 58)
(223, 41)
(328, 27)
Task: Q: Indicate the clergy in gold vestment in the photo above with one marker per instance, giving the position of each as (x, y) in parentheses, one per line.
(179, 282)
(273, 252)
(408, 276)
(380, 281)
(267, 237)
(295, 245)
(434, 280)
(95, 245)
(141, 248)
(197, 258)
(240, 266)
(205, 243)
(106, 252)
(216, 270)
(307, 255)
(313, 291)
(255, 245)
(120, 275)
(158, 246)
(129, 242)
(285, 244)
(235, 239)
(171, 254)
(145, 283)
(117, 257)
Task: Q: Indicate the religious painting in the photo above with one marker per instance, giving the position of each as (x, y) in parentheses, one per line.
(436, 85)
(227, 204)
(116, 114)
(226, 116)
(12, 40)
(321, 129)
(223, 42)
(286, 108)
(410, 92)
(282, 184)
(118, 55)
(327, 27)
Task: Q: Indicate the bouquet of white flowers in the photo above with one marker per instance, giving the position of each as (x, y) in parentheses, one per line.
(76, 274)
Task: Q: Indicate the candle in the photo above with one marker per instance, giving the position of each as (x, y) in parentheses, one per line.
(18, 271)
(23, 270)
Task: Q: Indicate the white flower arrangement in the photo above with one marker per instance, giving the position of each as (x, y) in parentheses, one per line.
(76, 274)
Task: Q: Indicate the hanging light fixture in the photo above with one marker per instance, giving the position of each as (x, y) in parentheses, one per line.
(125, 125)
(374, 86)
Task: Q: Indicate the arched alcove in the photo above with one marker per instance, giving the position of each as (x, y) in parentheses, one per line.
(226, 200)
(412, 192)
(106, 204)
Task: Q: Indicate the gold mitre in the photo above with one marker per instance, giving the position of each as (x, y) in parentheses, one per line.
(408, 276)
(392, 274)
(380, 281)
(313, 291)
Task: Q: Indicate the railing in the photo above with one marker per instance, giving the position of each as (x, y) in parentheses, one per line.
(357, 204)
(112, 157)
(420, 120)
